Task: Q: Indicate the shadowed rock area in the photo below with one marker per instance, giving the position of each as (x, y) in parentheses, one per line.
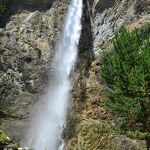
(14, 6)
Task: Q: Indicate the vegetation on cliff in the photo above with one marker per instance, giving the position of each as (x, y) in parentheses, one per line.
(126, 71)
(1, 8)
(6, 143)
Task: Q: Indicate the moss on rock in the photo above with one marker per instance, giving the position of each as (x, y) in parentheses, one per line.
(3, 138)
(6, 142)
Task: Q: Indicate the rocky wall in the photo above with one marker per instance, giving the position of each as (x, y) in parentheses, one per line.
(109, 15)
(27, 44)
(101, 18)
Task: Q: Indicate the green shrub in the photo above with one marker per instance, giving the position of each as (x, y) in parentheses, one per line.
(1, 8)
(106, 129)
(138, 134)
(126, 71)
(3, 138)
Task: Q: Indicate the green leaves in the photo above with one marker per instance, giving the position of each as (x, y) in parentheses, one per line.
(126, 70)
(138, 134)
(1, 8)
(106, 129)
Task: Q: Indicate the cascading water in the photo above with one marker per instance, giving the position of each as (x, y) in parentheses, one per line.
(47, 128)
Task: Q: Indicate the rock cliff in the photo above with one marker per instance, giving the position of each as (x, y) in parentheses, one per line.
(28, 34)
(109, 15)
(27, 42)
(103, 18)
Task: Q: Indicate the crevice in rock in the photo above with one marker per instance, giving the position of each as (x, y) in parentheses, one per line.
(104, 4)
(86, 54)
(84, 60)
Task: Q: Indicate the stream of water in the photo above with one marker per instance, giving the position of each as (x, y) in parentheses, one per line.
(48, 126)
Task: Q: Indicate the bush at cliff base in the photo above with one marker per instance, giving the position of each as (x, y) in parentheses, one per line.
(126, 71)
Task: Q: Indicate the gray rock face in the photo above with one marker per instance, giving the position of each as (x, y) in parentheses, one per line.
(14, 6)
(27, 44)
(110, 15)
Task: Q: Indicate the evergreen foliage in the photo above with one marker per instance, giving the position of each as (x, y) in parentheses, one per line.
(138, 134)
(126, 71)
(1, 8)
(106, 129)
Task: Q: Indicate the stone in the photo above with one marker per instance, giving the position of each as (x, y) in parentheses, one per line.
(27, 44)
(109, 15)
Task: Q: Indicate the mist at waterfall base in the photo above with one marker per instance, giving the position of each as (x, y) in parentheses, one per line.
(48, 123)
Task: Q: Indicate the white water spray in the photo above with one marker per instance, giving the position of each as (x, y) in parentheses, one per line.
(48, 126)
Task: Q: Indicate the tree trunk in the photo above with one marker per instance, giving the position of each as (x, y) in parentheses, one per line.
(148, 143)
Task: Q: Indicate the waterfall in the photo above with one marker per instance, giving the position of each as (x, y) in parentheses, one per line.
(49, 122)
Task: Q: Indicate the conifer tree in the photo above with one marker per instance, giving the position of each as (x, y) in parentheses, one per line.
(126, 71)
